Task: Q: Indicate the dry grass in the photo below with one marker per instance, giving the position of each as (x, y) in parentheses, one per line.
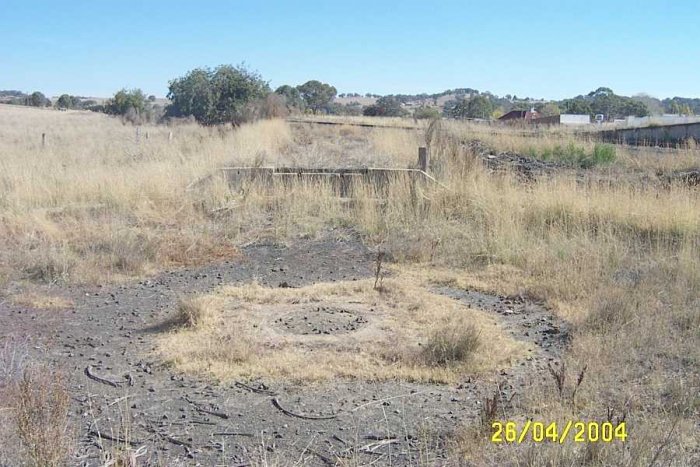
(96, 204)
(38, 402)
(452, 341)
(345, 329)
(620, 261)
(41, 300)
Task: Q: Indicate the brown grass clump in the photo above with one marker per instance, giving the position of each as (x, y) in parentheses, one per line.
(198, 311)
(41, 403)
(451, 342)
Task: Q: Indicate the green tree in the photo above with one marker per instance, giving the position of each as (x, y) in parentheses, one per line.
(222, 95)
(193, 95)
(633, 107)
(292, 97)
(653, 104)
(577, 105)
(386, 106)
(550, 109)
(425, 112)
(38, 99)
(477, 106)
(317, 95)
(126, 102)
(66, 101)
(680, 108)
(234, 89)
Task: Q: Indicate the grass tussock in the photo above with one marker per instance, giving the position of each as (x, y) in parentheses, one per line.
(198, 311)
(451, 342)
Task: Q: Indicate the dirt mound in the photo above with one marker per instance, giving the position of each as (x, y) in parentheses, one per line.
(310, 320)
(524, 166)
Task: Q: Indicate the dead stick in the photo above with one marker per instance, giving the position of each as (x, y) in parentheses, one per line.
(169, 438)
(255, 390)
(276, 403)
(116, 439)
(199, 408)
(90, 374)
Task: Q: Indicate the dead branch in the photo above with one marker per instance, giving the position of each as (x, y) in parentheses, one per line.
(115, 439)
(326, 460)
(91, 374)
(201, 409)
(169, 438)
(276, 403)
(255, 390)
(372, 447)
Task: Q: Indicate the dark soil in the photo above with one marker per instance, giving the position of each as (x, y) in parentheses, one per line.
(105, 345)
(307, 320)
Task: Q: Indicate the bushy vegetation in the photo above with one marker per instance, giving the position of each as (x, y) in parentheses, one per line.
(316, 95)
(576, 154)
(477, 106)
(426, 113)
(604, 101)
(385, 107)
(221, 95)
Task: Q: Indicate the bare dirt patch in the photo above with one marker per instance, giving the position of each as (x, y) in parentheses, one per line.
(322, 319)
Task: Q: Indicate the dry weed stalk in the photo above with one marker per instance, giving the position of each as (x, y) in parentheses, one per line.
(489, 410)
(378, 275)
(559, 376)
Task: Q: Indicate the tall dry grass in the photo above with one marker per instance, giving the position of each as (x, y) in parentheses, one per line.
(620, 261)
(99, 203)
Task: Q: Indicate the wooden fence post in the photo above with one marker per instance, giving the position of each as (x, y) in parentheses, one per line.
(423, 159)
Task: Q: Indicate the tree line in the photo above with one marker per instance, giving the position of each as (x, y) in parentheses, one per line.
(235, 94)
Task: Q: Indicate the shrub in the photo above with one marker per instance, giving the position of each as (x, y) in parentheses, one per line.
(425, 112)
(126, 101)
(604, 153)
(576, 155)
(222, 95)
(451, 342)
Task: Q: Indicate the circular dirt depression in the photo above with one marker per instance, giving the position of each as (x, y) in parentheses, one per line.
(321, 320)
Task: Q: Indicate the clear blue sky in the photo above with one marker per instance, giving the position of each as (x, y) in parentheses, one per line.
(550, 49)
